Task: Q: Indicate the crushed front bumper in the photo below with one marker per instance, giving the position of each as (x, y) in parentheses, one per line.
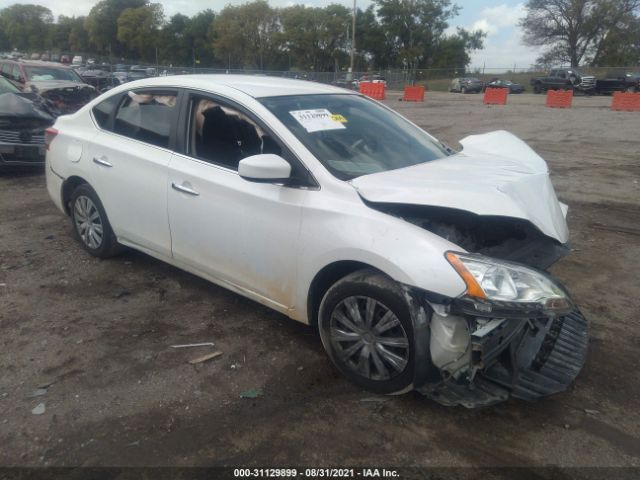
(523, 358)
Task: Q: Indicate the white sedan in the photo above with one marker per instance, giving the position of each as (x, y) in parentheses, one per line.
(422, 267)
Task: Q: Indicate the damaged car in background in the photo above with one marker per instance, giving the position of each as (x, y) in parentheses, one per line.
(423, 268)
(23, 120)
(58, 84)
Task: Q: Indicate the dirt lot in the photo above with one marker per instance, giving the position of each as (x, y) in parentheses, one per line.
(98, 332)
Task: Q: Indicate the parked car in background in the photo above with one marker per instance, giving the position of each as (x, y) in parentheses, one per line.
(59, 84)
(35, 56)
(466, 85)
(77, 61)
(23, 120)
(618, 80)
(565, 79)
(500, 83)
(374, 78)
(421, 267)
(101, 80)
(65, 59)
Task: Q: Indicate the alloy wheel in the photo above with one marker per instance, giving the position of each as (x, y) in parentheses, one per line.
(368, 338)
(88, 222)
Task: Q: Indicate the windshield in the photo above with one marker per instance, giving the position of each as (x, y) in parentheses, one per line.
(49, 73)
(7, 87)
(353, 136)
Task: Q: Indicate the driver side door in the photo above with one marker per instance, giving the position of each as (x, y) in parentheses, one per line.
(240, 234)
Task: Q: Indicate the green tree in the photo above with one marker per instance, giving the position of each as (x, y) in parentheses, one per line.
(201, 33)
(571, 30)
(372, 49)
(139, 29)
(175, 41)
(102, 24)
(316, 38)
(621, 44)
(68, 34)
(413, 28)
(246, 35)
(453, 50)
(25, 26)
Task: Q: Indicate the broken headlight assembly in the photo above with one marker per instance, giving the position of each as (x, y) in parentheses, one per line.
(495, 286)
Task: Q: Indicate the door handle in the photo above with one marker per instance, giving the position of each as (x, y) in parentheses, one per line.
(183, 189)
(101, 161)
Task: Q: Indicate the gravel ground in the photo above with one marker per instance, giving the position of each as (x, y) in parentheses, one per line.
(97, 333)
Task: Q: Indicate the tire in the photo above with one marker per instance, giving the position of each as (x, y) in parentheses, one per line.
(463, 90)
(381, 361)
(91, 225)
(537, 88)
(631, 89)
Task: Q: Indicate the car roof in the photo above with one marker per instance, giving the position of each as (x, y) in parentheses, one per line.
(38, 63)
(256, 86)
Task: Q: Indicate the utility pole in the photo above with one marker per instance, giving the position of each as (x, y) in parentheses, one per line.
(353, 38)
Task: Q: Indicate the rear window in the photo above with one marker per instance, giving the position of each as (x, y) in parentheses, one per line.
(103, 110)
(146, 117)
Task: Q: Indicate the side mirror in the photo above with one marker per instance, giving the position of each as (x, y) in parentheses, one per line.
(265, 168)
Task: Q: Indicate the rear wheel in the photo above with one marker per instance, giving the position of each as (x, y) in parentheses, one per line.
(631, 89)
(463, 90)
(366, 329)
(90, 223)
(537, 87)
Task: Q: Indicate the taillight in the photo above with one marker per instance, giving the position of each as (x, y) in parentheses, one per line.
(49, 134)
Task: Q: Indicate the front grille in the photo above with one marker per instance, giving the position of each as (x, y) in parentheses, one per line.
(588, 82)
(24, 137)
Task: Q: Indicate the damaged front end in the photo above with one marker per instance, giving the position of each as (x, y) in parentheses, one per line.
(483, 358)
(515, 331)
(67, 97)
(23, 120)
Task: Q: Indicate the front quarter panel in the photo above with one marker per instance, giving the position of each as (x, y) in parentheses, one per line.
(336, 228)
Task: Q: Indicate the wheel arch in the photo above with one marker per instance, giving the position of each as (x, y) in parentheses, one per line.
(325, 278)
(68, 186)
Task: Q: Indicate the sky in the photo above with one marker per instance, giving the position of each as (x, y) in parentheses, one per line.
(498, 18)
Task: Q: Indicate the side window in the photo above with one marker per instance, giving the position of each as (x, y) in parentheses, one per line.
(6, 69)
(146, 116)
(102, 111)
(224, 135)
(16, 73)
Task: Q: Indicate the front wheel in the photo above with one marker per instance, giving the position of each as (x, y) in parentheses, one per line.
(366, 328)
(90, 223)
(463, 90)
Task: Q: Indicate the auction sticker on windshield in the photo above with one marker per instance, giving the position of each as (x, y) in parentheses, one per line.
(317, 120)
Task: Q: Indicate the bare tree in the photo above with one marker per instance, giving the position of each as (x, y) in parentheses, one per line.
(573, 29)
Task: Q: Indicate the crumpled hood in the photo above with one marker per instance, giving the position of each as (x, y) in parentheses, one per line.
(19, 111)
(495, 174)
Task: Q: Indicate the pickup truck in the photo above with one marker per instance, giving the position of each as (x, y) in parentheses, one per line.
(564, 78)
(619, 81)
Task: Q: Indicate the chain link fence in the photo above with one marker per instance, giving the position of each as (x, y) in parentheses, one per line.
(432, 78)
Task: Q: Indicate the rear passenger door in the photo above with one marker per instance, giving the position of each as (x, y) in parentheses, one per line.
(130, 155)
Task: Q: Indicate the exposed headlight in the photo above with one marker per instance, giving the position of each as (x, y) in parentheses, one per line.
(505, 282)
